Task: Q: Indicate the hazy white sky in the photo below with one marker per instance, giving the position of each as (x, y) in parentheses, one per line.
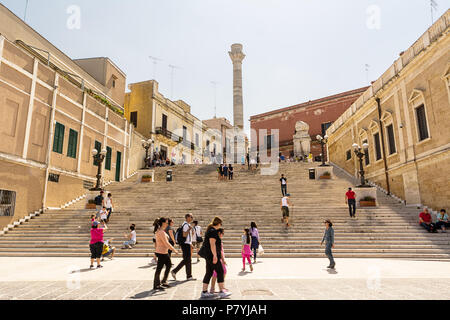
(297, 50)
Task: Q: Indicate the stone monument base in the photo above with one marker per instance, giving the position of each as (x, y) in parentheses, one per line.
(321, 170)
(364, 192)
(146, 172)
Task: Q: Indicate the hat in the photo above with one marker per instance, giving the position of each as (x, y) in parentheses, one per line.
(95, 223)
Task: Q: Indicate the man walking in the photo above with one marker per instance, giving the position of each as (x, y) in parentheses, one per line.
(185, 242)
(351, 201)
(285, 209)
(328, 237)
(283, 182)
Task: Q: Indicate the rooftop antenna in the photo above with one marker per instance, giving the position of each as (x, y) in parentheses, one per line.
(367, 72)
(172, 67)
(433, 6)
(155, 62)
(25, 14)
(214, 83)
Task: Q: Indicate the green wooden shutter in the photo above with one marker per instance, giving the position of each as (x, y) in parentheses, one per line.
(108, 158)
(58, 139)
(73, 141)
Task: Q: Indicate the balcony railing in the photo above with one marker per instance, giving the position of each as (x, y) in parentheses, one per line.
(176, 138)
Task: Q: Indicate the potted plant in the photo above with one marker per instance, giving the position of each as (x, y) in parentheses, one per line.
(91, 204)
(367, 201)
(146, 178)
(325, 175)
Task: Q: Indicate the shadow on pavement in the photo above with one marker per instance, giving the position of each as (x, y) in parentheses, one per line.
(149, 293)
(83, 270)
(243, 273)
(148, 266)
(332, 271)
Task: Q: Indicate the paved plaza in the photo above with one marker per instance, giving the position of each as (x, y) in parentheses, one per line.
(279, 279)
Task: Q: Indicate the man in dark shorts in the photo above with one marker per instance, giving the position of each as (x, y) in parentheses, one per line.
(285, 209)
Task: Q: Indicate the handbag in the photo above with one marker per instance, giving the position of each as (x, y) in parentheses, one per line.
(260, 250)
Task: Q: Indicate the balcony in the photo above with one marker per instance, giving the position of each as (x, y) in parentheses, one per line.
(175, 138)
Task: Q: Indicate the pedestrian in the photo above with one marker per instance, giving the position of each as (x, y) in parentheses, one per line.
(131, 238)
(283, 182)
(197, 232)
(255, 239)
(230, 172)
(328, 237)
(246, 252)
(99, 202)
(185, 241)
(155, 258)
(212, 290)
(248, 160)
(104, 215)
(108, 250)
(257, 160)
(219, 172)
(285, 209)
(96, 243)
(162, 252)
(225, 172)
(171, 234)
(109, 205)
(442, 220)
(351, 201)
(213, 255)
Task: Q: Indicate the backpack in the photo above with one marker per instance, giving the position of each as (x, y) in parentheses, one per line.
(179, 239)
(98, 200)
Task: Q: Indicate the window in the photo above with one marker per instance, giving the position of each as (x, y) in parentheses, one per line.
(196, 139)
(268, 142)
(58, 139)
(349, 154)
(164, 122)
(53, 177)
(133, 118)
(98, 147)
(7, 203)
(72, 147)
(184, 133)
(391, 139)
(325, 126)
(376, 138)
(114, 83)
(108, 158)
(422, 123)
(366, 154)
(207, 145)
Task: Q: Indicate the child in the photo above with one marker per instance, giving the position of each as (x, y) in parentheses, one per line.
(131, 238)
(103, 214)
(220, 231)
(108, 250)
(246, 251)
(92, 218)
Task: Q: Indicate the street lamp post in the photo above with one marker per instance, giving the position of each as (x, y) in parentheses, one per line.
(357, 149)
(98, 157)
(323, 141)
(146, 144)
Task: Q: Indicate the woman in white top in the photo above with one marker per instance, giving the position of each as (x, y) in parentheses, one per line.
(131, 238)
(285, 209)
(109, 205)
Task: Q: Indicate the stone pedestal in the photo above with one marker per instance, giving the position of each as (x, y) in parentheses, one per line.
(146, 172)
(364, 192)
(321, 170)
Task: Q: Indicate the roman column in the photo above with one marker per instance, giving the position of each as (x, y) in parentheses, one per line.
(237, 56)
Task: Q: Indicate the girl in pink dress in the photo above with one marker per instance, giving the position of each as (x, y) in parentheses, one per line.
(246, 251)
(220, 231)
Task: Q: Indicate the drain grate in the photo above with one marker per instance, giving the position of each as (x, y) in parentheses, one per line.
(257, 293)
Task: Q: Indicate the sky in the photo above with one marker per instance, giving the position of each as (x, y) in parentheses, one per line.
(296, 50)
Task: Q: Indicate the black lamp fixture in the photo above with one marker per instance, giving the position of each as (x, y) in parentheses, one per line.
(358, 152)
(147, 144)
(98, 158)
(323, 141)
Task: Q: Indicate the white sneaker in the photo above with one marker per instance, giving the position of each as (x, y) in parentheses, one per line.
(153, 261)
(206, 295)
(225, 294)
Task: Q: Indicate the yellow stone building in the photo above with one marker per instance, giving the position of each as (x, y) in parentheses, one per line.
(177, 134)
(404, 117)
(55, 110)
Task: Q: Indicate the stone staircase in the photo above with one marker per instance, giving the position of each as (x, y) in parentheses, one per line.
(388, 231)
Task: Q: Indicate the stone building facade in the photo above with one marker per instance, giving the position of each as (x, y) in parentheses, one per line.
(318, 114)
(404, 118)
(54, 113)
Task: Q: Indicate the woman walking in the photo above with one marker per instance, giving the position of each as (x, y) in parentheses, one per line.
(255, 239)
(170, 233)
(328, 237)
(96, 243)
(246, 251)
(109, 206)
(162, 252)
(213, 255)
(221, 232)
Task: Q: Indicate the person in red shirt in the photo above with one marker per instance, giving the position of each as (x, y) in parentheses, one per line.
(425, 221)
(351, 201)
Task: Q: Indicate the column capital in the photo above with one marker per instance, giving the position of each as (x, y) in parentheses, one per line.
(236, 53)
